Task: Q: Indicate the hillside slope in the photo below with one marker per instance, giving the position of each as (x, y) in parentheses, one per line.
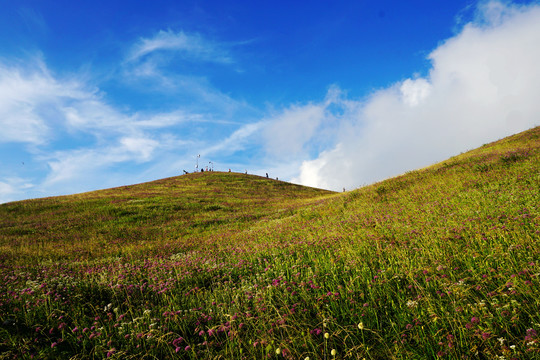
(117, 221)
(442, 262)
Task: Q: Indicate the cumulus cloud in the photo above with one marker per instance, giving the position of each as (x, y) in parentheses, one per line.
(483, 85)
(289, 132)
(414, 91)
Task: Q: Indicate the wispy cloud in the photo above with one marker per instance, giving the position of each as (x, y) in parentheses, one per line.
(176, 65)
(13, 187)
(43, 112)
(189, 46)
(74, 165)
(483, 85)
(67, 127)
(27, 94)
(236, 141)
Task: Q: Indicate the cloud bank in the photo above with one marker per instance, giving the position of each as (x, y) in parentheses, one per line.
(484, 84)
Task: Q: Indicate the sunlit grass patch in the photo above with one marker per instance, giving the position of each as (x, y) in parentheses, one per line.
(441, 262)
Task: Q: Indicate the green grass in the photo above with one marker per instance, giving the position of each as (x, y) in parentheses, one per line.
(441, 262)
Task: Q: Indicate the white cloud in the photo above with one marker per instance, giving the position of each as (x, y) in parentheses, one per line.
(483, 85)
(414, 91)
(288, 133)
(26, 97)
(190, 46)
(234, 142)
(176, 63)
(140, 147)
(64, 125)
(75, 167)
(13, 187)
(41, 113)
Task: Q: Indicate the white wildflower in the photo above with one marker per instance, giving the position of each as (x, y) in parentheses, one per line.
(412, 303)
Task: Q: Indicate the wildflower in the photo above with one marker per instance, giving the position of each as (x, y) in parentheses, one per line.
(286, 353)
(513, 347)
(501, 340)
(361, 325)
(54, 344)
(187, 348)
(531, 334)
(326, 335)
(412, 303)
(333, 352)
(278, 351)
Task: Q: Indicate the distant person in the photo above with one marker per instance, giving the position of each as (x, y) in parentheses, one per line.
(202, 170)
(229, 170)
(267, 175)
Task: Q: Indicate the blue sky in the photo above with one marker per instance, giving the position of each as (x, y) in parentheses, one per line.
(329, 94)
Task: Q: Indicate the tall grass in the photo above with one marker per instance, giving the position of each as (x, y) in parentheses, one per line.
(441, 262)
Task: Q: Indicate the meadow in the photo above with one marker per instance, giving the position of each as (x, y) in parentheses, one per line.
(438, 263)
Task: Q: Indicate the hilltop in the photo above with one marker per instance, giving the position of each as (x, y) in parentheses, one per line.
(115, 221)
(441, 262)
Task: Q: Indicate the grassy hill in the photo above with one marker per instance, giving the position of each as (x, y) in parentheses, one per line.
(145, 219)
(441, 262)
